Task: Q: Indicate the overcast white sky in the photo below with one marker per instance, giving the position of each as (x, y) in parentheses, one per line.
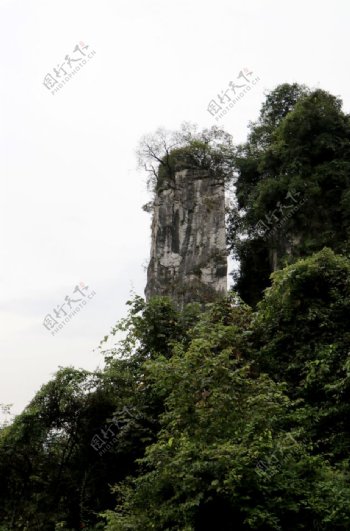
(70, 194)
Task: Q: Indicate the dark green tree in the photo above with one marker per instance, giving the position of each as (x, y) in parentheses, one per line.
(292, 184)
(302, 337)
(230, 453)
(51, 475)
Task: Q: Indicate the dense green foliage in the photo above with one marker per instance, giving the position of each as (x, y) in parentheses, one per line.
(303, 337)
(241, 419)
(223, 420)
(292, 183)
(228, 416)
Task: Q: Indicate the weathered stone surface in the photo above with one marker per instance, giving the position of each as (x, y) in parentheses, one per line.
(188, 253)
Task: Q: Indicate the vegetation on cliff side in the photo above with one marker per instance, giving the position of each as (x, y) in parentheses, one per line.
(225, 419)
(165, 152)
(228, 417)
(292, 180)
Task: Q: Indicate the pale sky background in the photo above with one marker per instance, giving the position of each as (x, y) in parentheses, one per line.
(70, 194)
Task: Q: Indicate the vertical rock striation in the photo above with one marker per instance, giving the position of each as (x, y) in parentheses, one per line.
(188, 252)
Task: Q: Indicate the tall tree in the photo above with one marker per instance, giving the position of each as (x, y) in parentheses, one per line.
(292, 183)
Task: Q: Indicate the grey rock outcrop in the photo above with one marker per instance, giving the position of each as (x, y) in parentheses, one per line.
(188, 251)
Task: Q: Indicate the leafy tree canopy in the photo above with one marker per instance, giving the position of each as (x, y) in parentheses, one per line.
(164, 153)
(292, 184)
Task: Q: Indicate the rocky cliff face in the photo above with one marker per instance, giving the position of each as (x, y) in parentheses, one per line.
(188, 252)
